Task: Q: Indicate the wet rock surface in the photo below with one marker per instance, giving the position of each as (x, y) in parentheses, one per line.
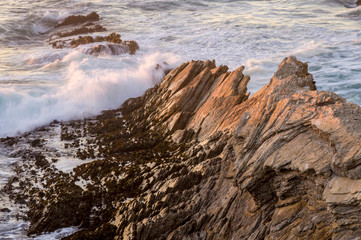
(79, 19)
(87, 28)
(75, 25)
(115, 45)
(196, 158)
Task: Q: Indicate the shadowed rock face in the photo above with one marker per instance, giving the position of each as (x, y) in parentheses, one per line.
(77, 24)
(116, 47)
(196, 158)
(79, 19)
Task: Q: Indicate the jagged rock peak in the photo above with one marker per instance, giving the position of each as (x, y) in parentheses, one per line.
(196, 158)
(294, 72)
(196, 96)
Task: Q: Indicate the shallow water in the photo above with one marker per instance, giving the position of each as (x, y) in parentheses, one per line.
(39, 84)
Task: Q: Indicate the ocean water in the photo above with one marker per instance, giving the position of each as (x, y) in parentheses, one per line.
(39, 84)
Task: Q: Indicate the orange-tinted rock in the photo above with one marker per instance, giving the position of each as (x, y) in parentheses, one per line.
(132, 45)
(79, 19)
(116, 46)
(265, 161)
(82, 30)
(196, 158)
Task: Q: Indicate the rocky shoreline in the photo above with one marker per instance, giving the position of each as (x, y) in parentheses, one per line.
(196, 158)
(75, 25)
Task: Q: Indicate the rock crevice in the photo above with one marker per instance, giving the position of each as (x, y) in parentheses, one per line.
(196, 157)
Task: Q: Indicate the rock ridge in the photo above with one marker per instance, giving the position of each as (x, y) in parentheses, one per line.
(196, 157)
(75, 25)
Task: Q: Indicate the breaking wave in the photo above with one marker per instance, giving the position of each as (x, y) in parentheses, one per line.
(90, 86)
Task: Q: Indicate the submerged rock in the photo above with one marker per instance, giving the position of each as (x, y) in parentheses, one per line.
(196, 158)
(108, 49)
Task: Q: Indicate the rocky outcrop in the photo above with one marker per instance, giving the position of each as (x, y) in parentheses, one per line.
(74, 25)
(87, 28)
(196, 158)
(116, 45)
(79, 19)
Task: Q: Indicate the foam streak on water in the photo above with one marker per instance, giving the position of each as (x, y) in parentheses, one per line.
(39, 84)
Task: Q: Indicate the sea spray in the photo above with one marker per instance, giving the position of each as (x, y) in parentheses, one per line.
(90, 86)
(36, 80)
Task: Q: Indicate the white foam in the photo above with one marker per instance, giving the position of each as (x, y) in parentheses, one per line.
(323, 33)
(255, 66)
(91, 85)
(58, 234)
(308, 49)
(45, 58)
(104, 49)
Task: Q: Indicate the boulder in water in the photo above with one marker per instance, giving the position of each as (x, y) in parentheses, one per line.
(117, 45)
(79, 19)
(87, 28)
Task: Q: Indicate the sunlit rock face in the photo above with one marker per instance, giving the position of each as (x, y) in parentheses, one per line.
(270, 166)
(196, 158)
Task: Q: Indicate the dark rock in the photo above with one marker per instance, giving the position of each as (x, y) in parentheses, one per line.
(6, 210)
(196, 158)
(79, 19)
(105, 232)
(40, 161)
(10, 141)
(71, 208)
(116, 45)
(36, 143)
(108, 49)
(80, 30)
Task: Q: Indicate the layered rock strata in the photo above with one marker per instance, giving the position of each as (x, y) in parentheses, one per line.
(196, 158)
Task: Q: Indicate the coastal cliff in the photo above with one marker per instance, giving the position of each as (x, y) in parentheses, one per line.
(196, 158)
